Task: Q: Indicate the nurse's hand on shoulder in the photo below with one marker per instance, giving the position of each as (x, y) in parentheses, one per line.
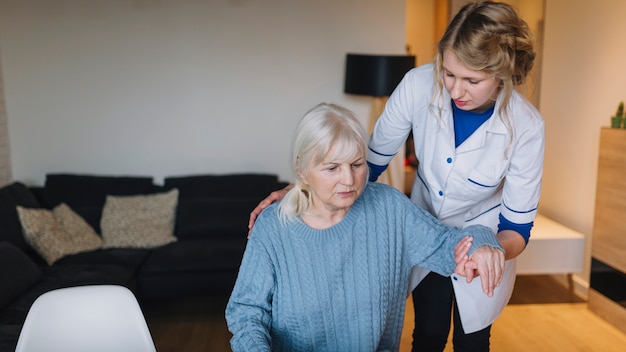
(486, 262)
(273, 197)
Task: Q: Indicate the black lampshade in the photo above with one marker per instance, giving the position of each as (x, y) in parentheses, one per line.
(375, 75)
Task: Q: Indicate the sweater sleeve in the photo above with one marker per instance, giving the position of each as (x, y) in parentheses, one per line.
(430, 244)
(248, 312)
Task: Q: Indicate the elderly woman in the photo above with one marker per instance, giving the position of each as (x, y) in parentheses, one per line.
(327, 268)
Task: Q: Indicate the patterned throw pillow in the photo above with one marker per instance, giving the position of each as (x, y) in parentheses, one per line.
(57, 233)
(140, 221)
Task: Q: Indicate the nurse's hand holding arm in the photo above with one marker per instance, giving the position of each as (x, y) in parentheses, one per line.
(486, 262)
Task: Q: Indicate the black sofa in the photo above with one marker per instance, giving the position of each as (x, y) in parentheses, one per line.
(210, 229)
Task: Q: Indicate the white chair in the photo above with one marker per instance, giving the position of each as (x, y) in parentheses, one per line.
(94, 318)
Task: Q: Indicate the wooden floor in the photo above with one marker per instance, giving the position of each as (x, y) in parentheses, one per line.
(192, 326)
(542, 316)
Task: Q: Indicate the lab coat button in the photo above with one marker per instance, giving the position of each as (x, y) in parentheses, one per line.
(441, 193)
(449, 160)
(454, 277)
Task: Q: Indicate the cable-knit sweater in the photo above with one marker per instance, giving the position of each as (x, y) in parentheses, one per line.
(343, 288)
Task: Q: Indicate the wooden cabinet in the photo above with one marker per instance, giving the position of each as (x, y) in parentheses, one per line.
(607, 293)
(609, 225)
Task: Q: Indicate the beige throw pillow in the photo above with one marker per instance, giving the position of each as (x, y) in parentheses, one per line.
(57, 233)
(140, 221)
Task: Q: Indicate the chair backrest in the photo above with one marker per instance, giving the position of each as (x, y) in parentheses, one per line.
(86, 318)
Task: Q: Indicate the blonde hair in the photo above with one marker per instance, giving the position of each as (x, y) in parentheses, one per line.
(327, 131)
(489, 37)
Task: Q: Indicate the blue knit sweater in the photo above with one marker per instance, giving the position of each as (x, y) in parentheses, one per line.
(343, 288)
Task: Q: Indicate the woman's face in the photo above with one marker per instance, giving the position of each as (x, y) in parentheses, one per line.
(335, 184)
(470, 90)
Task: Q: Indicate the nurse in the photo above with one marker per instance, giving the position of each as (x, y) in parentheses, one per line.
(480, 148)
(480, 145)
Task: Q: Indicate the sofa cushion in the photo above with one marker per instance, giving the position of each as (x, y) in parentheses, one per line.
(214, 217)
(126, 257)
(226, 186)
(17, 273)
(11, 230)
(191, 266)
(9, 334)
(58, 232)
(86, 194)
(204, 255)
(140, 221)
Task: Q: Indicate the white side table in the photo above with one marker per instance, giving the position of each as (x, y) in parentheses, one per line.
(553, 249)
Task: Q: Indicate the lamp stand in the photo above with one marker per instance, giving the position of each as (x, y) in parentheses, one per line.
(394, 175)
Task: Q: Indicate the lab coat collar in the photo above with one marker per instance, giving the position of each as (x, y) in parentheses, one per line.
(493, 125)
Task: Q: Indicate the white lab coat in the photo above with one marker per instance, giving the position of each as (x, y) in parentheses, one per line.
(490, 173)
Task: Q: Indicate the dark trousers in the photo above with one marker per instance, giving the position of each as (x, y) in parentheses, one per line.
(433, 303)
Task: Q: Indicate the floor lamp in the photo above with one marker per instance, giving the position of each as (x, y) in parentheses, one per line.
(377, 76)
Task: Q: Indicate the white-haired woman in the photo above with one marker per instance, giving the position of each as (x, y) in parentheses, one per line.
(327, 268)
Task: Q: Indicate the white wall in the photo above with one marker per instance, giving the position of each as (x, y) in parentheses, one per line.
(159, 88)
(583, 81)
(5, 161)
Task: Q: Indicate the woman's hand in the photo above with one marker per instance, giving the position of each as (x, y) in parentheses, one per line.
(460, 254)
(273, 197)
(488, 263)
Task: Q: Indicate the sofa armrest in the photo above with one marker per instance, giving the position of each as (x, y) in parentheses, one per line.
(17, 273)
